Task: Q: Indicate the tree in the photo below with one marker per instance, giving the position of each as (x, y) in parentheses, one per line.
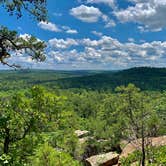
(139, 117)
(11, 43)
(30, 118)
(17, 119)
(46, 155)
(37, 8)
(22, 114)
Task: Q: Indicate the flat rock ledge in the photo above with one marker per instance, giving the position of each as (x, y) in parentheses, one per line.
(81, 133)
(107, 159)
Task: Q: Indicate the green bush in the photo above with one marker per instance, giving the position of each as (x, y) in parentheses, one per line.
(48, 156)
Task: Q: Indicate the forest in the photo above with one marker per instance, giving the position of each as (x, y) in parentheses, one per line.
(72, 89)
(42, 120)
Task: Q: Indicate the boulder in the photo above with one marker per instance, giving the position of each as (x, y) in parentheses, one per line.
(81, 133)
(136, 144)
(107, 159)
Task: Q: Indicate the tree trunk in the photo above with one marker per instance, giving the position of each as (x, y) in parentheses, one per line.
(143, 141)
(6, 142)
(143, 151)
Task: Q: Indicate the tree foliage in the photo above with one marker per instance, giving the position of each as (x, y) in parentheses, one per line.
(37, 8)
(48, 156)
(37, 117)
(139, 117)
(11, 43)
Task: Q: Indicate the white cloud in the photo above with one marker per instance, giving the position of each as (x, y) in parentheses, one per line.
(91, 15)
(69, 30)
(61, 43)
(97, 33)
(72, 31)
(54, 28)
(149, 13)
(109, 22)
(48, 26)
(108, 52)
(86, 13)
(131, 40)
(105, 53)
(56, 57)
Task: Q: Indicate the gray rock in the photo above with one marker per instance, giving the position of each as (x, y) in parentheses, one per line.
(107, 159)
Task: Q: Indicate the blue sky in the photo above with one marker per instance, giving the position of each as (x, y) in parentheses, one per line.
(96, 34)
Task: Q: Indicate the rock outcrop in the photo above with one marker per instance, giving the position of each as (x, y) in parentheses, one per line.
(107, 159)
(136, 145)
(81, 133)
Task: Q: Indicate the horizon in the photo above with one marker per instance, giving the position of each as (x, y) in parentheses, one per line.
(69, 70)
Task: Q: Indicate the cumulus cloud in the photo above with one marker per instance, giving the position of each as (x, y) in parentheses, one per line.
(48, 26)
(69, 30)
(149, 13)
(61, 43)
(86, 13)
(108, 52)
(97, 33)
(91, 15)
(131, 40)
(109, 22)
(105, 53)
(72, 31)
(54, 28)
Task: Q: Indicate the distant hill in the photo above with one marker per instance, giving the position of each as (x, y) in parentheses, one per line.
(144, 77)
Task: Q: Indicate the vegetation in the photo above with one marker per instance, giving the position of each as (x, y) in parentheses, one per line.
(148, 79)
(41, 110)
(35, 113)
(37, 8)
(145, 78)
(157, 158)
(11, 42)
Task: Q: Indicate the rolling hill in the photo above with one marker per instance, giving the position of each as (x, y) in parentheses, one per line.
(144, 77)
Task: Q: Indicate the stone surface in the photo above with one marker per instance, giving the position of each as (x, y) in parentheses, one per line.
(81, 133)
(107, 159)
(136, 145)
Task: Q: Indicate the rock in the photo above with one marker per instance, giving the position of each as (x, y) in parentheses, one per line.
(83, 140)
(136, 144)
(81, 134)
(107, 159)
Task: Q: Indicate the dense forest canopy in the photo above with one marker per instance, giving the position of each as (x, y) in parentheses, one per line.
(145, 78)
(40, 118)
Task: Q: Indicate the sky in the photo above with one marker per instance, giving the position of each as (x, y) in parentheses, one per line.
(96, 34)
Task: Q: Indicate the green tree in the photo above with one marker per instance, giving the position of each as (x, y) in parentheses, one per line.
(27, 116)
(11, 42)
(37, 8)
(139, 117)
(48, 156)
(17, 119)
